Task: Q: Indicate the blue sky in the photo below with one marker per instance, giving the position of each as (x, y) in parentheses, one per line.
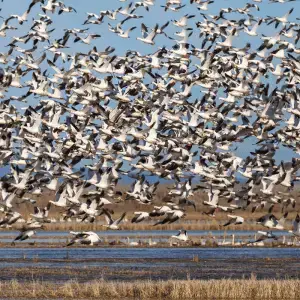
(155, 15)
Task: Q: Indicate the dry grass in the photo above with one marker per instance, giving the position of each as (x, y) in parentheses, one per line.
(172, 289)
(187, 225)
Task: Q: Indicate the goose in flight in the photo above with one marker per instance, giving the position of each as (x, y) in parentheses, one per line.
(24, 235)
(140, 216)
(113, 224)
(181, 236)
(253, 31)
(235, 220)
(87, 40)
(204, 5)
(271, 222)
(10, 218)
(50, 6)
(283, 20)
(32, 225)
(148, 38)
(213, 198)
(21, 19)
(172, 216)
(120, 32)
(41, 215)
(159, 211)
(84, 238)
(210, 212)
(182, 22)
(27, 200)
(61, 199)
(296, 226)
(263, 235)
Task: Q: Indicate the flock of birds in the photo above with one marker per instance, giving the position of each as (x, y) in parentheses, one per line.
(178, 113)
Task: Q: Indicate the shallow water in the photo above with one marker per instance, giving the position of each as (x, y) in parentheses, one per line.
(87, 257)
(148, 253)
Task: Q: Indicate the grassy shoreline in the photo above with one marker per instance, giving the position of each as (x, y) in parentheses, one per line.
(171, 289)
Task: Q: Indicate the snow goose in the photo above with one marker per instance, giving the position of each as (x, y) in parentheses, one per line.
(140, 216)
(85, 238)
(32, 225)
(130, 243)
(148, 38)
(61, 199)
(113, 224)
(172, 216)
(182, 22)
(41, 215)
(181, 236)
(24, 235)
(235, 220)
(263, 235)
(271, 222)
(296, 226)
(87, 40)
(253, 31)
(213, 198)
(10, 218)
(159, 211)
(21, 19)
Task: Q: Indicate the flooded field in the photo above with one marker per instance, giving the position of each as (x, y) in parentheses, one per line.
(46, 258)
(85, 254)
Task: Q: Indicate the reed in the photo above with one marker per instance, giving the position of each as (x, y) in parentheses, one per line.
(171, 289)
(182, 224)
(188, 225)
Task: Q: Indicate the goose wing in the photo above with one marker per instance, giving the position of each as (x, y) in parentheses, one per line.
(231, 220)
(152, 34)
(296, 224)
(281, 221)
(144, 30)
(108, 217)
(36, 210)
(118, 221)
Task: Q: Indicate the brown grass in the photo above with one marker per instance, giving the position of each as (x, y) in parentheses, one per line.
(171, 289)
(190, 225)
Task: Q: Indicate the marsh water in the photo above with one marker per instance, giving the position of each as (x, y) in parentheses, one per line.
(85, 264)
(59, 263)
(77, 255)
